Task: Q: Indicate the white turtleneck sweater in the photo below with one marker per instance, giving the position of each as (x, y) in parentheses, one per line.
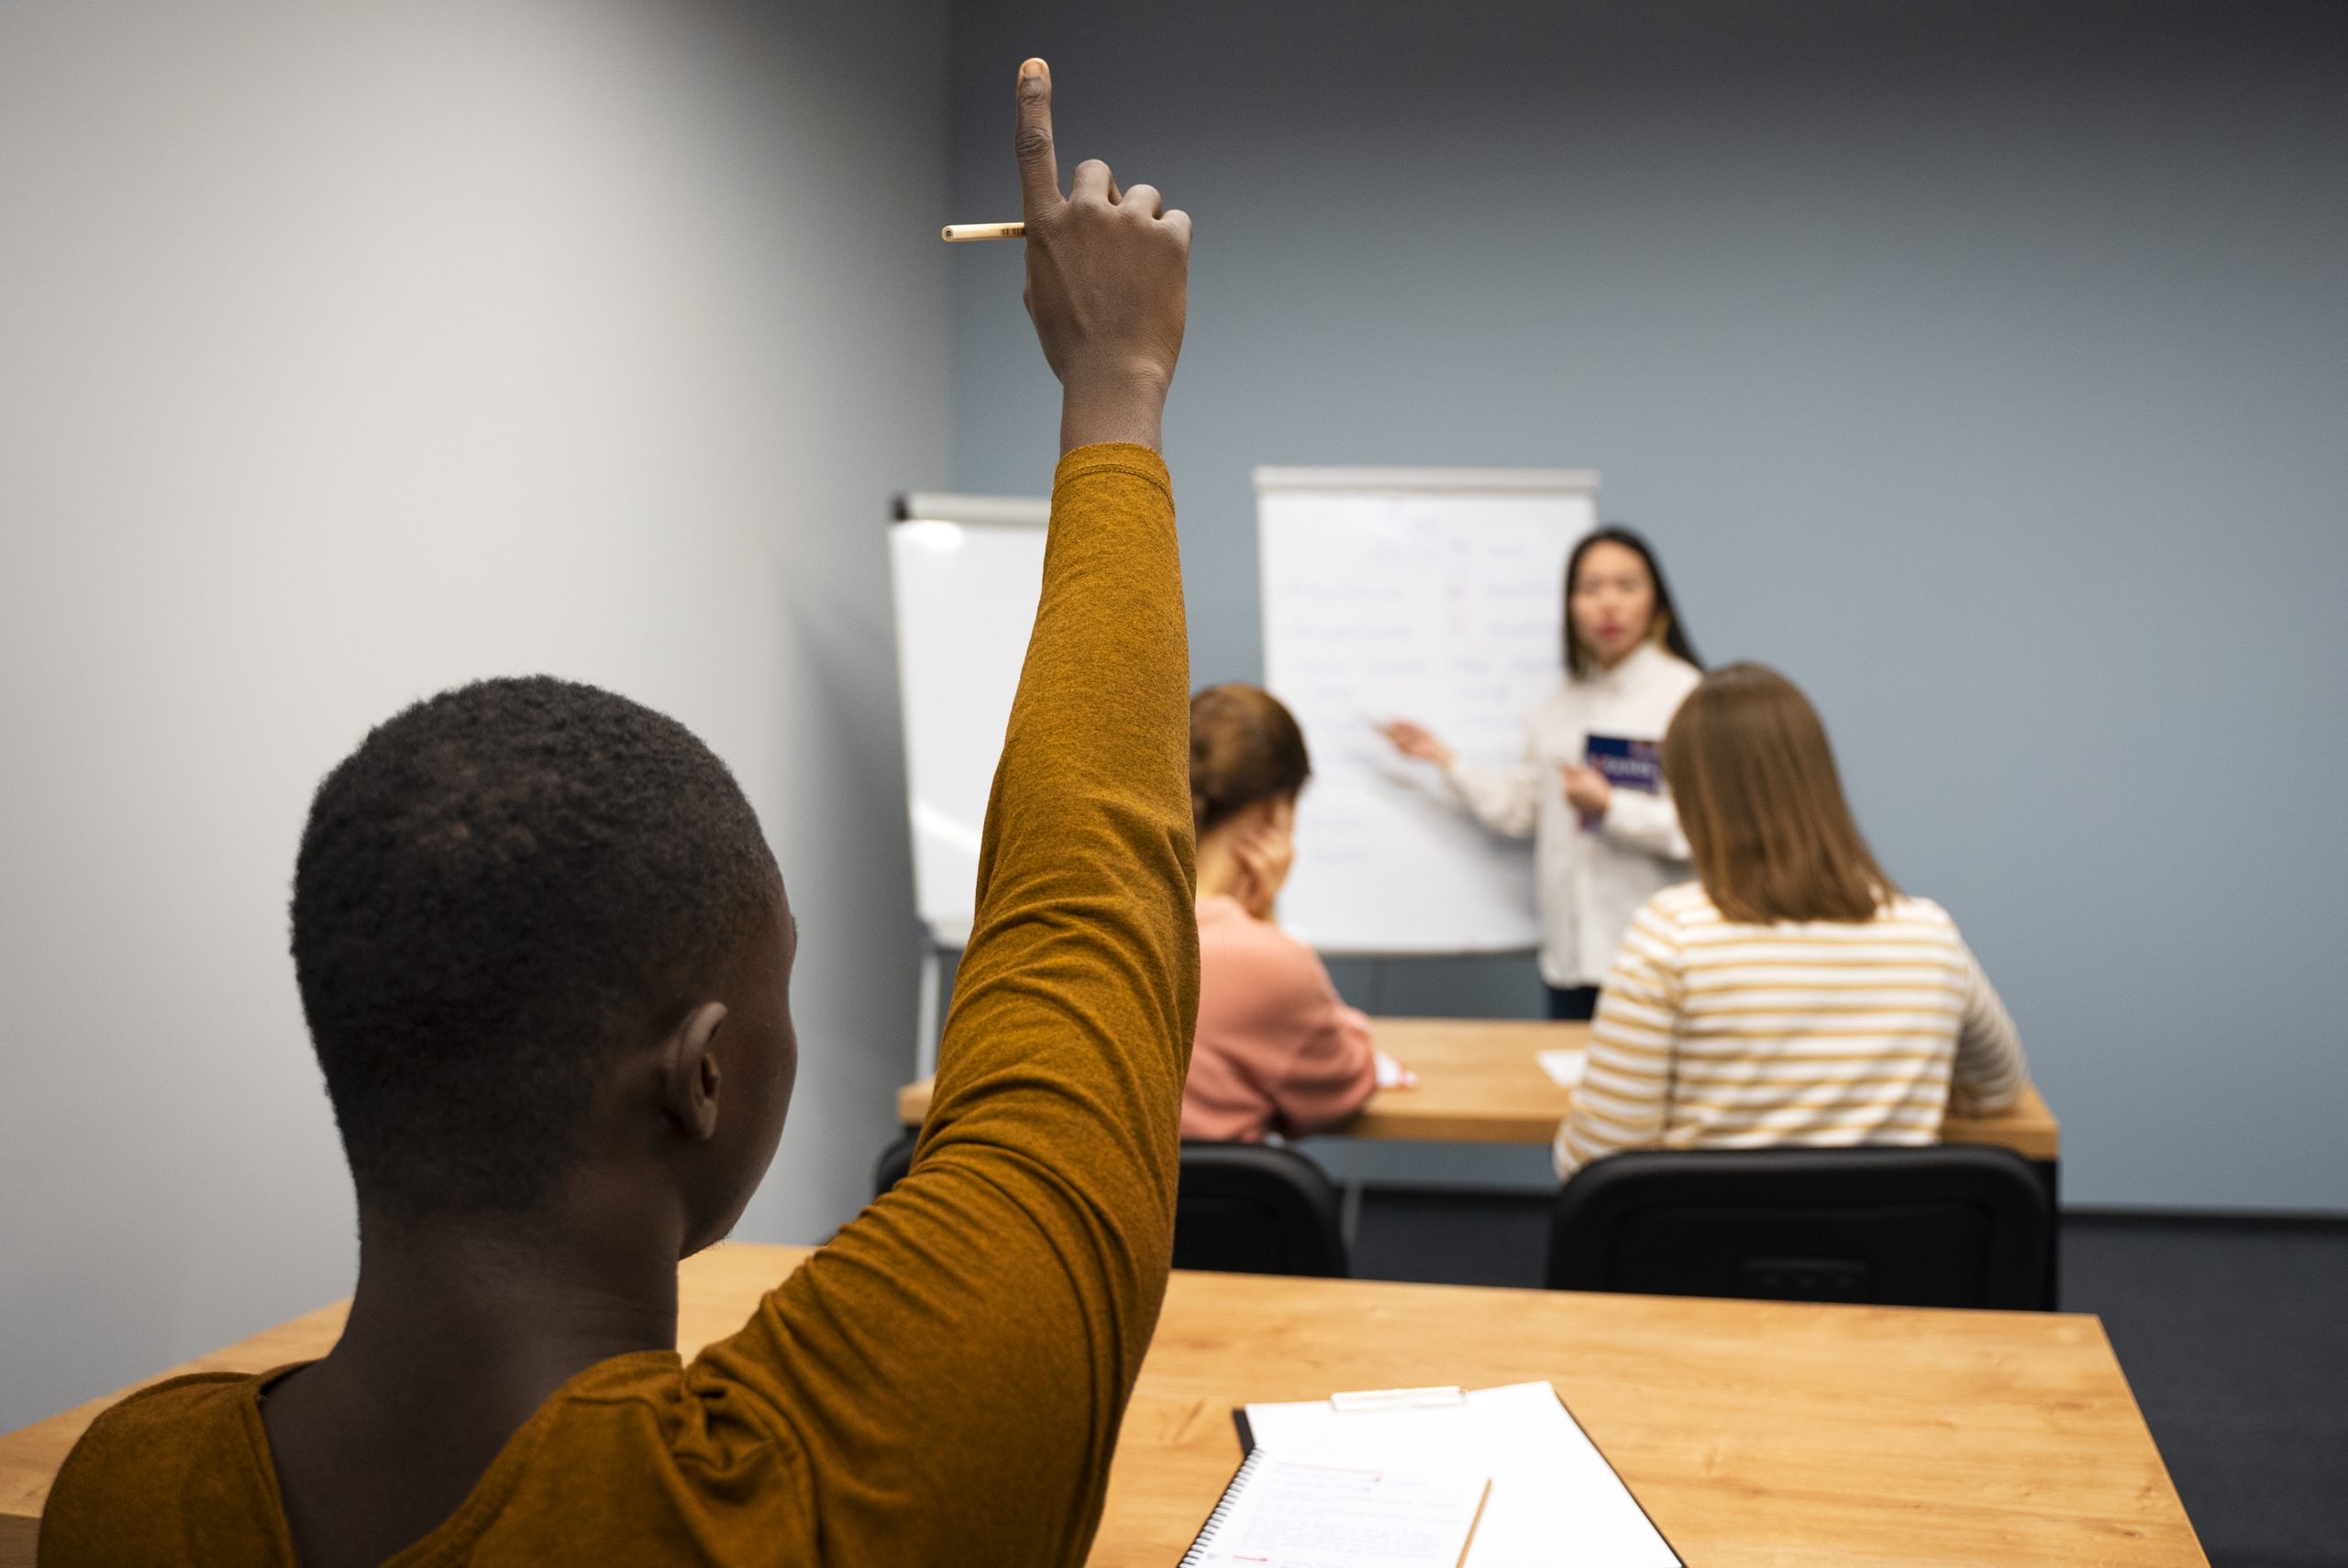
(1588, 884)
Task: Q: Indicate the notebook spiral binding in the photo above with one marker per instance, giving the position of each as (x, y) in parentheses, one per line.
(1198, 1552)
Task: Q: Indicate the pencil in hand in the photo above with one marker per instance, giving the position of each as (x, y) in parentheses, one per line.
(956, 233)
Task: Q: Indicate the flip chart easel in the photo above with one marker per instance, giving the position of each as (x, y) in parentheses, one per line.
(966, 572)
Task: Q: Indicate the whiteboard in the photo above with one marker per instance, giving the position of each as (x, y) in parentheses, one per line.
(966, 574)
(1433, 594)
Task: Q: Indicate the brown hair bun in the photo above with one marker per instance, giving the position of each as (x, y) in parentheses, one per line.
(1245, 748)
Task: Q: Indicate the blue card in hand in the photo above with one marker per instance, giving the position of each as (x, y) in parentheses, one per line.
(1627, 764)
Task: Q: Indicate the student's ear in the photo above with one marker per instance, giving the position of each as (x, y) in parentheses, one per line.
(689, 1072)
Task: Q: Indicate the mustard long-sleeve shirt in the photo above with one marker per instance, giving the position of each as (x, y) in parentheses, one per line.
(942, 1383)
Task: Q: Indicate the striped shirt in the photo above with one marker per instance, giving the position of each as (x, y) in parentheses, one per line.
(1714, 1034)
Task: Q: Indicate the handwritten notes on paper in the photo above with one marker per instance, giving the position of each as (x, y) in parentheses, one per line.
(1552, 1492)
(1277, 1514)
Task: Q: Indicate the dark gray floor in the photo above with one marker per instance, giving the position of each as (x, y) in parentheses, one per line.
(2235, 1337)
(2233, 1334)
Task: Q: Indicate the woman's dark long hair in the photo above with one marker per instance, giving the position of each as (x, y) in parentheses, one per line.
(1674, 635)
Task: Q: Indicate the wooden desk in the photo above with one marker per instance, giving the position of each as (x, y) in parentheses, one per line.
(1479, 1083)
(1756, 1434)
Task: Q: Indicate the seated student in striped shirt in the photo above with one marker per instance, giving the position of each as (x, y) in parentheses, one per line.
(1793, 995)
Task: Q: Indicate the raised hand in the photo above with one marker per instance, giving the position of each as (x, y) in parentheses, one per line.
(1413, 741)
(1107, 273)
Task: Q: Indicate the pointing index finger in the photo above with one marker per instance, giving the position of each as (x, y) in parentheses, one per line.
(1040, 174)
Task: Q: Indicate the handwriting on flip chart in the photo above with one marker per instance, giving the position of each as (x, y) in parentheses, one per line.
(1446, 608)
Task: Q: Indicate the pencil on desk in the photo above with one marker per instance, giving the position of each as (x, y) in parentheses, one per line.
(957, 232)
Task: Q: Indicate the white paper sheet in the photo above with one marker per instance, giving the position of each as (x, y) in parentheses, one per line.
(1563, 1067)
(1554, 1499)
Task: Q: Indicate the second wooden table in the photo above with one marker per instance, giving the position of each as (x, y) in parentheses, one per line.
(1480, 1082)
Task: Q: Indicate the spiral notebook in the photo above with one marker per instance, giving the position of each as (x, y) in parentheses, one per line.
(1552, 1498)
(1280, 1514)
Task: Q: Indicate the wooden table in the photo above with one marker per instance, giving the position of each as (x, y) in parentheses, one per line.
(1757, 1434)
(1480, 1082)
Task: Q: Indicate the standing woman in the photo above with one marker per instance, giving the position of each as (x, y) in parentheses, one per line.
(1602, 846)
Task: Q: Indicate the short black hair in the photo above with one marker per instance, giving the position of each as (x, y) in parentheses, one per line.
(501, 885)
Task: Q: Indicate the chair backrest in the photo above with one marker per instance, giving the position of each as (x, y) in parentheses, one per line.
(1947, 1226)
(1241, 1208)
(894, 1161)
(1256, 1208)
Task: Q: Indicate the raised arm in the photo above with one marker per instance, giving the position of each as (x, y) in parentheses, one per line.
(956, 1362)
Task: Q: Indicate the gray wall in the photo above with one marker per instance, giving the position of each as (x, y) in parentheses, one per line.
(347, 352)
(1983, 366)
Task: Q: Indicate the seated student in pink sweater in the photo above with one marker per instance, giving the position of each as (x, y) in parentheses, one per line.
(1275, 1050)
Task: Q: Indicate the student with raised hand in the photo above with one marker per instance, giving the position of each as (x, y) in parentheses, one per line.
(1277, 1049)
(545, 954)
(1793, 995)
(1600, 847)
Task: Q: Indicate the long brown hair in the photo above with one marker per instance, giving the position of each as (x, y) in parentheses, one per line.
(1758, 796)
(1245, 748)
(1665, 628)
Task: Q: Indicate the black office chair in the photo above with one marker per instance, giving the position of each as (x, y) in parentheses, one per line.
(1241, 1208)
(1956, 1225)
(1256, 1208)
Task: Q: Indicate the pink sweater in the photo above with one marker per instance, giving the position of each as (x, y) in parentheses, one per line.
(1275, 1048)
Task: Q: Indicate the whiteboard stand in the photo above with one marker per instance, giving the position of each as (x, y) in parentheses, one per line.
(965, 573)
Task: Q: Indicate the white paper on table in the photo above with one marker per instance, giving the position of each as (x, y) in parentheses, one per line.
(1563, 1067)
(1280, 1514)
(1392, 1074)
(1554, 1499)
